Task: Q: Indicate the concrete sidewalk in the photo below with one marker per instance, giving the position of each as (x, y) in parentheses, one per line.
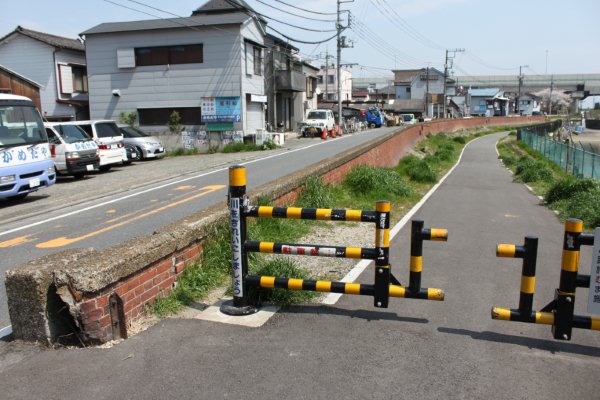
(414, 349)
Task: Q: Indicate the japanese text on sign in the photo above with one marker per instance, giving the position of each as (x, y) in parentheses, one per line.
(236, 247)
(594, 294)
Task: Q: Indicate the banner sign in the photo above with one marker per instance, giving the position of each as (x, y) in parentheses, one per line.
(221, 109)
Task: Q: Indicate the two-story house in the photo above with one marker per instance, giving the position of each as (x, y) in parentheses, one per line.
(328, 84)
(421, 91)
(56, 63)
(290, 84)
(208, 67)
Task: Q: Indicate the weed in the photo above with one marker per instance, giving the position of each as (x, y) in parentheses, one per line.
(418, 170)
(568, 187)
(316, 194)
(376, 182)
(529, 170)
(460, 139)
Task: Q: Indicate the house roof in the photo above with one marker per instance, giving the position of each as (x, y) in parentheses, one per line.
(485, 92)
(236, 18)
(281, 42)
(10, 71)
(51, 40)
(225, 6)
(405, 75)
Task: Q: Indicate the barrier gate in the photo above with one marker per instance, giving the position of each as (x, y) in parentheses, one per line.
(385, 285)
(560, 312)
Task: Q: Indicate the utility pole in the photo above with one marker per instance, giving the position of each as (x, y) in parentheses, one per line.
(550, 99)
(517, 108)
(427, 92)
(341, 42)
(326, 76)
(450, 54)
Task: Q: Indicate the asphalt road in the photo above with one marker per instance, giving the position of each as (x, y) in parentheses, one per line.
(108, 208)
(413, 349)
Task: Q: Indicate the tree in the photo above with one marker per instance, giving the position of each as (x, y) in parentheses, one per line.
(128, 118)
(174, 123)
(554, 100)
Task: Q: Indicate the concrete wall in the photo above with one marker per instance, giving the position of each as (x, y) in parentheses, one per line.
(144, 268)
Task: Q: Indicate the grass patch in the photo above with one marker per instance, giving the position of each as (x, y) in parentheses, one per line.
(239, 147)
(316, 194)
(283, 267)
(371, 182)
(180, 151)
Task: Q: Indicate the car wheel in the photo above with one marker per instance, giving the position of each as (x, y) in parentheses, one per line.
(140, 154)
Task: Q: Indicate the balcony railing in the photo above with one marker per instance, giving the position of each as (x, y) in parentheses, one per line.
(290, 80)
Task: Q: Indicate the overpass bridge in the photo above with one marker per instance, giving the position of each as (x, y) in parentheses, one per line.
(579, 86)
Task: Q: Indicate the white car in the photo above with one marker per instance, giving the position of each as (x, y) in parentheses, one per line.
(315, 121)
(139, 141)
(73, 151)
(109, 139)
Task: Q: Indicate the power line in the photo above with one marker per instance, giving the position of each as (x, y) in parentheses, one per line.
(305, 10)
(296, 15)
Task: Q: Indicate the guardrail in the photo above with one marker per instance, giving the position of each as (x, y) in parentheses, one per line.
(385, 285)
(560, 312)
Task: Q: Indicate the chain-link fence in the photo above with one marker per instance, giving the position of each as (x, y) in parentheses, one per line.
(571, 159)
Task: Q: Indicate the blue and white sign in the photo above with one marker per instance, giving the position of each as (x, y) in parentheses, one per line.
(221, 109)
(24, 154)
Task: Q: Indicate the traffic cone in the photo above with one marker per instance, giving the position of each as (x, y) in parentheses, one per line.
(324, 135)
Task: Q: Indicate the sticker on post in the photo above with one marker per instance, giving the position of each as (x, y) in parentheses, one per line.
(594, 292)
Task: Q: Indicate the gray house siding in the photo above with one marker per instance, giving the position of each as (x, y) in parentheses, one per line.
(252, 112)
(419, 87)
(35, 60)
(181, 85)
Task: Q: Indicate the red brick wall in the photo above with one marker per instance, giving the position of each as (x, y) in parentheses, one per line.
(143, 287)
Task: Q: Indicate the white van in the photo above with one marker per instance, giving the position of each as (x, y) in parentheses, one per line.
(109, 139)
(73, 151)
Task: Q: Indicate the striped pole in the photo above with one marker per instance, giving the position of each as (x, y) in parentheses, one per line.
(417, 235)
(310, 250)
(319, 214)
(565, 294)
(340, 287)
(237, 197)
(382, 249)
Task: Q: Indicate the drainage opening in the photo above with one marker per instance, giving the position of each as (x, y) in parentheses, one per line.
(63, 328)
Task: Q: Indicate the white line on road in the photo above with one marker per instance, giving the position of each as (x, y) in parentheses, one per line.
(5, 331)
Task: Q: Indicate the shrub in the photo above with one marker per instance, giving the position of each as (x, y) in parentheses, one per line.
(529, 170)
(460, 139)
(584, 206)
(419, 170)
(285, 268)
(316, 194)
(376, 182)
(569, 187)
(445, 154)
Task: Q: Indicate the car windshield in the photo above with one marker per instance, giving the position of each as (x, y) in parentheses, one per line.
(20, 125)
(72, 133)
(407, 118)
(131, 132)
(107, 129)
(316, 115)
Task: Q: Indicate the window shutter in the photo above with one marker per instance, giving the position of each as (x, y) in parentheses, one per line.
(126, 58)
(66, 79)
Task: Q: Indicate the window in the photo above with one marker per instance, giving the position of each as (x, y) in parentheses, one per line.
(80, 81)
(180, 54)
(320, 78)
(52, 139)
(310, 87)
(257, 61)
(408, 90)
(330, 78)
(330, 96)
(160, 116)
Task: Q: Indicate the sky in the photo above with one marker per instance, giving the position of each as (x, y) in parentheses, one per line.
(540, 36)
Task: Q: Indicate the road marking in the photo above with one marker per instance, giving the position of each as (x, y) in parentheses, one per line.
(6, 331)
(16, 241)
(355, 272)
(158, 188)
(63, 241)
(111, 211)
(185, 187)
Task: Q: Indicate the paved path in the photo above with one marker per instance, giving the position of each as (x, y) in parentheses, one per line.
(414, 349)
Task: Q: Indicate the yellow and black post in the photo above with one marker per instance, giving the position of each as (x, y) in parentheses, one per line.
(382, 250)
(237, 202)
(565, 294)
(528, 253)
(417, 235)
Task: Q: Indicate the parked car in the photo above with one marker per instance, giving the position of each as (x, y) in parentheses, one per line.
(73, 151)
(408, 119)
(141, 142)
(109, 139)
(315, 121)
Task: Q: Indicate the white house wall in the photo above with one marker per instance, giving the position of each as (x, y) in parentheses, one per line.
(253, 115)
(35, 60)
(181, 85)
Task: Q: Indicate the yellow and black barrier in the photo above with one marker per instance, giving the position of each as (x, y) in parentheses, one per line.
(560, 312)
(385, 285)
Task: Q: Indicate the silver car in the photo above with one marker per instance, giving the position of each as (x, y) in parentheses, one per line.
(139, 141)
